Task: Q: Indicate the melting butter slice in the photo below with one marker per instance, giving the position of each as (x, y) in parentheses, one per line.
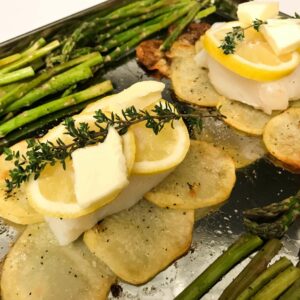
(282, 35)
(100, 171)
(262, 10)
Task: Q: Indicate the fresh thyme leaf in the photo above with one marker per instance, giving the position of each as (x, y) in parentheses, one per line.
(257, 23)
(40, 154)
(237, 35)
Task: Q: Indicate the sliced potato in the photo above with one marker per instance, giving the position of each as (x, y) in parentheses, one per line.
(14, 206)
(243, 149)
(244, 117)
(38, 268)
(205, 178)
(139, 242)
(190, 82)
(282, 137)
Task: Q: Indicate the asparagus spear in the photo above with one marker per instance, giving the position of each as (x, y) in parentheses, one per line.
(31, 128)
(16, 75)
(264, 278)
(20, 90)
(181, 25)
(124, 37)
(127, 47)
(132, 9)
(14, 57)
(9, 59)
(273, 220)
(57, 83)
(53, 106)
(244, 246)
(205, 12)
(30, 57)
(293, 292)
(256, 266)
(35, 46)
(133, 21)
(279, 284)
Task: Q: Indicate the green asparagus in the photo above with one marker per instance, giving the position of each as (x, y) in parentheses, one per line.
(134, 21)
(181, 25)
(9, 59)
(30, 57)
(18, 91)
(127, 47)
(293, 292)
(53, 106)
(30, 129)
(264, 278)
(244, 246)
(35, 46)
(55, 84)
(205, 12)
(124, 37)
(273, 220)
(132, 9)
(14, 57)
(16, 75)
(256, 266)
(278, 285)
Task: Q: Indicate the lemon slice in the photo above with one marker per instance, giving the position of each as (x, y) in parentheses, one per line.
(253, 58)
(161, 152)
(53, 193)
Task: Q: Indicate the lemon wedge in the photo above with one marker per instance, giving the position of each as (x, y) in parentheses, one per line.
(253, 58)
(53, 193)
(161, 152)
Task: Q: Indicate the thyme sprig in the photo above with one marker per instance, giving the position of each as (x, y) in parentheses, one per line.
(40, 154)
(237, 35)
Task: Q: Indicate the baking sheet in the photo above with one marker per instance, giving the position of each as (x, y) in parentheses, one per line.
(257, 185)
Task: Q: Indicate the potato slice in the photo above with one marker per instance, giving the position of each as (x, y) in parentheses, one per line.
(139, 242)
(14, 206)
(244, 117)
(281, 137)
(190, 82)
(205, 178)
(243, 149)
(38, 268)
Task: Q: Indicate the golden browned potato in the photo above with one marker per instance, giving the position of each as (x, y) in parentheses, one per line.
(282, 137)
(204, 179)
(244, 117)
(139, 242)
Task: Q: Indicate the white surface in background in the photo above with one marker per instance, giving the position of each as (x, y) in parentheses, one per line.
(21, 16)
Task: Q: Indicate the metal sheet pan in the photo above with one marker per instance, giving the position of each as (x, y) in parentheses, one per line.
(258, 184)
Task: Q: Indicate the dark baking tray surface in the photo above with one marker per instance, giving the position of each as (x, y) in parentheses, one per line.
(259, 184)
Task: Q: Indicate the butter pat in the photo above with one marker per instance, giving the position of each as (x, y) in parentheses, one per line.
(282, 35)
(249, 11)
(100, 171)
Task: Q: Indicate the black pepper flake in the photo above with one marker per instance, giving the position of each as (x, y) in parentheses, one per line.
(116, 290)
